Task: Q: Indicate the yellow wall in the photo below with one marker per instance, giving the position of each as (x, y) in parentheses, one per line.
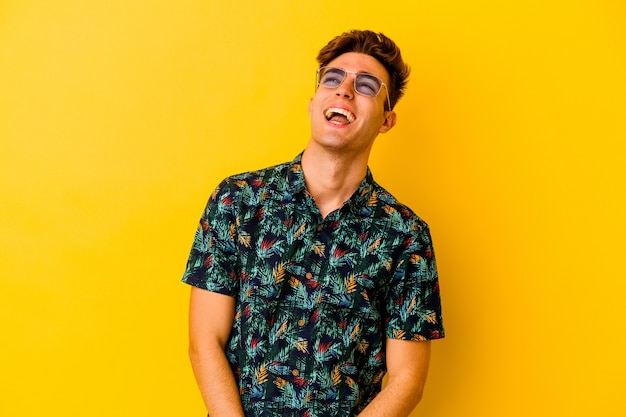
(117, 119)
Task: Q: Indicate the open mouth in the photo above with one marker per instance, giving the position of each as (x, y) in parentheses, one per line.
(339, 116)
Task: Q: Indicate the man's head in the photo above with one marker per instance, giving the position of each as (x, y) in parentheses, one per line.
(379, 47)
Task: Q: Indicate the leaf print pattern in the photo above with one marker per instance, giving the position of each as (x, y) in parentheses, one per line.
(315, 297)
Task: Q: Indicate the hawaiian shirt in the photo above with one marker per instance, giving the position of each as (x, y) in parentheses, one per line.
(315, 297)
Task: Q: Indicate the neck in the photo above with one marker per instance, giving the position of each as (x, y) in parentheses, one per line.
(330, 178)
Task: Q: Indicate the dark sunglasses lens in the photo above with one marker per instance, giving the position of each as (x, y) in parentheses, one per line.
(332, 77)
(368, 85)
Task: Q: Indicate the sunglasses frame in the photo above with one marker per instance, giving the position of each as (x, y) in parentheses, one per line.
(356, 75)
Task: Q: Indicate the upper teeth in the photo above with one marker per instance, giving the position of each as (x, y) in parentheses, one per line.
(344, 112)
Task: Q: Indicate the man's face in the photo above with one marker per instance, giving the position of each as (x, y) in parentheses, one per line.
(344, 120)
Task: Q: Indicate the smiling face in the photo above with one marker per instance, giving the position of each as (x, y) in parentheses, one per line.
(345, 121)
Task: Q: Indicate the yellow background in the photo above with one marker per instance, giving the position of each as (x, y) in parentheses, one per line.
(117, 119)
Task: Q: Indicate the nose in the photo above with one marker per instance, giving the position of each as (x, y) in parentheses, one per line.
(346, 89)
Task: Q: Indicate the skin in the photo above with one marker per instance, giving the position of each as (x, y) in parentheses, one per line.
(335, 159)
(334, 163)
(207, 344)
(407, 369)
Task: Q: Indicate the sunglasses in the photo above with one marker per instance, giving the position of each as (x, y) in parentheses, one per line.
(365, 84)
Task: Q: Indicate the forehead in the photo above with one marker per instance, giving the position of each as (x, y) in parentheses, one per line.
(357, 62)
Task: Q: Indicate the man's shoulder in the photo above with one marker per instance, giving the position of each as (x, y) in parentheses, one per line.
(263, 173)
(392, 208)
(271, 177)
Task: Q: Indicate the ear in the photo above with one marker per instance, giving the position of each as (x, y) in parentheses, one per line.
(389, 122)
(310, 104)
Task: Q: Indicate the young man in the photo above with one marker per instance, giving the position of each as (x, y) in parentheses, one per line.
(309, 280)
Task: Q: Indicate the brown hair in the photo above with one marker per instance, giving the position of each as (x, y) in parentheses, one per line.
(376, 45)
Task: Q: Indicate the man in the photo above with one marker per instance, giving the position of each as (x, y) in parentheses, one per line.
(309, 280)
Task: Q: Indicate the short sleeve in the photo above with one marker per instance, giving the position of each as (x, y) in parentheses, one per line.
(413, 305)
(212, 263)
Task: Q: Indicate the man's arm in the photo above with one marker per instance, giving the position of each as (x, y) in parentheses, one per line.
(407, 367)
(210, 322)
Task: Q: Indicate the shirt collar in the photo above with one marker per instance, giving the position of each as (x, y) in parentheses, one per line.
(295, 177)
(363, 197)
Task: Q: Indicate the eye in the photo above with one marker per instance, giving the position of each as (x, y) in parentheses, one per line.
(368, 85)
(332, 78)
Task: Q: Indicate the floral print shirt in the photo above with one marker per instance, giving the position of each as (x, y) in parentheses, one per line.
(315, 297)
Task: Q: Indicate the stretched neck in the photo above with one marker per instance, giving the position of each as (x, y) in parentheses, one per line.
(332, 179)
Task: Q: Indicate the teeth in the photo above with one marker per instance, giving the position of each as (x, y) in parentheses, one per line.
(344, 112)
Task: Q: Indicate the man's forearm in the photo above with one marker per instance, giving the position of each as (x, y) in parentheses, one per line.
(407, 364)
(397, 399)
(216, 382)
